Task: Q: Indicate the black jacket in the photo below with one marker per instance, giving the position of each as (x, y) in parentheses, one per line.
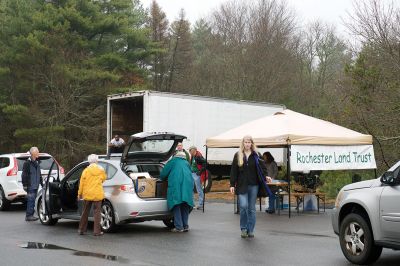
(247, 174)
(31, 174)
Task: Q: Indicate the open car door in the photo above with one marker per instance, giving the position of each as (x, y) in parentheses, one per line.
(51, 202)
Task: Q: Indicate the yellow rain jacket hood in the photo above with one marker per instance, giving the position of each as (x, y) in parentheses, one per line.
(91, 183)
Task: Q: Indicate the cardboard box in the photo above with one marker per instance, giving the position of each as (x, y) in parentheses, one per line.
(146, 187)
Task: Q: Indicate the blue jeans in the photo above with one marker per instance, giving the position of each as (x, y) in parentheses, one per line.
(271, 201)
(30, 202)
(247, 206)
(199, 189)
(181, 216)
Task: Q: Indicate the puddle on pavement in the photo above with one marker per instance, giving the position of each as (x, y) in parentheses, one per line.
(38, 245)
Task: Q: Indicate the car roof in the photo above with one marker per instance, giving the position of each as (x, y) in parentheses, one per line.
(394, 167)
(24, 154)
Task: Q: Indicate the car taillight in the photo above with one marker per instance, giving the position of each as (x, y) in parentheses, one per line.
(128, 188)
(14, 170)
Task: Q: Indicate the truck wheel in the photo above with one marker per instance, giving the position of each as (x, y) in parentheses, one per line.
(208, 183)
(208, 180)
(4, 203)
(356, 240)
(44, 219)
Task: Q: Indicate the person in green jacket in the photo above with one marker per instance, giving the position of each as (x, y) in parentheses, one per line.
(180, 190)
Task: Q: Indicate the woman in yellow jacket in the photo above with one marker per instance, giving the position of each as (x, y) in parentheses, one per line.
(91, 191)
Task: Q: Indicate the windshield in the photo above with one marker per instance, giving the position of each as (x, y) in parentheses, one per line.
(151, 146)
(45, 163)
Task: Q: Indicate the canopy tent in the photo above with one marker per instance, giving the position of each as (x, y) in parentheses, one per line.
(289, 128)
(334, 147)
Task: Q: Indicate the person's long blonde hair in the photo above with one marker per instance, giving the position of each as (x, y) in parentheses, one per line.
(241, 149)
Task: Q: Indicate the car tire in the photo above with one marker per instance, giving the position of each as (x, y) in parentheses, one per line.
(107, 221)
(169, 222)
(44, 219)
(4, 203)
(357, 241)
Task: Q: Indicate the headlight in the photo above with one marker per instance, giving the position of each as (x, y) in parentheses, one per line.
(339, 199)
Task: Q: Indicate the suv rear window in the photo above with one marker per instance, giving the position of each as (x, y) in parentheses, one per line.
(45, 162)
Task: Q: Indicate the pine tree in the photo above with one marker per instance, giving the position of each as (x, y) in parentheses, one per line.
(159, 35)
(181, 55)
(58, 62)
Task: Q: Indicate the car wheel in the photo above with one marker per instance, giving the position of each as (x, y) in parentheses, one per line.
(4, 203)
(356, 240)
(169, 222)
(107, 222)
(45, 219)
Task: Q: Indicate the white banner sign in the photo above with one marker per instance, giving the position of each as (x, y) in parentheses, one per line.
(316, 157)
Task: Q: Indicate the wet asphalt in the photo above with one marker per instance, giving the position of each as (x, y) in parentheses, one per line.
(213, 239)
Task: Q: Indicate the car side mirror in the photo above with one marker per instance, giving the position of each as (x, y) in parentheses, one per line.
(389, 179)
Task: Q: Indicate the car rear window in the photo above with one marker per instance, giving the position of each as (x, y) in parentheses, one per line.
(45, 162)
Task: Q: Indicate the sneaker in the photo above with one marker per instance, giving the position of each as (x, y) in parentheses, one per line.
(244, 233)
(250, 235)
(270, 211)
(31, 218)
(175, 230)
(186, 229)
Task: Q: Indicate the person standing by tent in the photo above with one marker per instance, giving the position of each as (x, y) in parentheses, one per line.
(245, 180)
(197, 163)
(272, 171)
(180, 190)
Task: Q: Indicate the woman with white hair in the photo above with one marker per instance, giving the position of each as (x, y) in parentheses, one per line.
(180, 190)
(91, 191)
(247, 174)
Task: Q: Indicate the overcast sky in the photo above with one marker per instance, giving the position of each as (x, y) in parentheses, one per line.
(331, 11)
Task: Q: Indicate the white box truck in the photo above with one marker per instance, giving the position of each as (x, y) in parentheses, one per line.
(196, 117)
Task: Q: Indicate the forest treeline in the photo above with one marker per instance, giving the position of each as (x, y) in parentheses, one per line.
(59, 59)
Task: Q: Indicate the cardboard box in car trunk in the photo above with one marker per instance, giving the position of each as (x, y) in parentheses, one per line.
(146, 187)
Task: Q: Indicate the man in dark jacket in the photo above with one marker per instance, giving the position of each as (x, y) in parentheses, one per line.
(31, 178)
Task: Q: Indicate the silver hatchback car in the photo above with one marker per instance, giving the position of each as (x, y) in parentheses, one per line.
(367, 217)
(143, 155)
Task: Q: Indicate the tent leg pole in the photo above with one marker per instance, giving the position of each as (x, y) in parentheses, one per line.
(204, 184)
(288, 175)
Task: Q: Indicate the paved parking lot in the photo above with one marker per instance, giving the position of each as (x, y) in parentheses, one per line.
(214, 239)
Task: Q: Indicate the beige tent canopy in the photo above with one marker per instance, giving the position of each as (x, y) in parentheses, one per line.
(289, 128)
(306, 137)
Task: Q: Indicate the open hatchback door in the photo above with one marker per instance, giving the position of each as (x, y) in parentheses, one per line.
(156, 147)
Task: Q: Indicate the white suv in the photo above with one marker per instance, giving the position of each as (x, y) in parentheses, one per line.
(11, 189)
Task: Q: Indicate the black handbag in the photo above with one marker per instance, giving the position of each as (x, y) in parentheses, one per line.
(263, 189)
